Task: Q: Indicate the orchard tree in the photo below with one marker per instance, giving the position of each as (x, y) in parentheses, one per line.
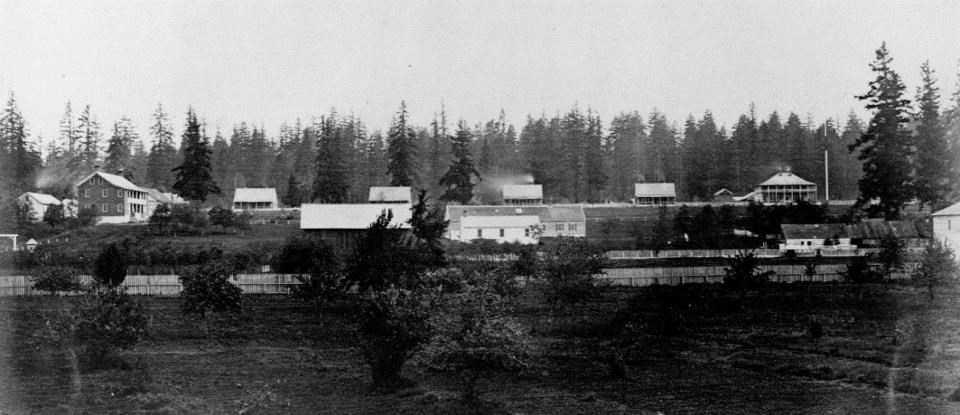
(402, 150)
(194, 179)
(458, 180)
(110, 266)
(886, 146)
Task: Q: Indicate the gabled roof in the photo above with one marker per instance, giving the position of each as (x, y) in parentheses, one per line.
(553, 213)
(522, 221)
(723, 192)
(390, 194)
(114, 180)
(350, 216)
(157, 195)
(952, 210)
(250, 194)
(522, 192)
(655, 190)
(813, 231)
(785, 178)
(42, 198)
(879, 229)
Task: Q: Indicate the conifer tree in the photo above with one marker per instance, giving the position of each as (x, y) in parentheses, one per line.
(626, 135)
(163, 154)
(120, 147)
(88, 134)
(19, 159)
(596, 176)
(331, 182)
(886, 147)
(194, 180)
(458, 180)
(402, 150)
(932, 181)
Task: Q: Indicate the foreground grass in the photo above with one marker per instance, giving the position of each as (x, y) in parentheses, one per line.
(884, 349)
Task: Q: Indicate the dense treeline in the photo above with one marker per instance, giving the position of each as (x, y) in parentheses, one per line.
(574, 155)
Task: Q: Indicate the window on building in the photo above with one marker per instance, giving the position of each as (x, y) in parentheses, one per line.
(526, 232)
(119, 207)
(479, 233)
(558, 227)
(104, 192)
(572, 227)
(501, 233)
(119, 193)
(86, 192)
(103, 208)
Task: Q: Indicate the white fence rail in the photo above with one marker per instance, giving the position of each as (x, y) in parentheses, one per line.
(162, 285)
(729, 253)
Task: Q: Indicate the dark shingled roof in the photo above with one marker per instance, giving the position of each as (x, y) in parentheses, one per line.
(879, 229)
(814, 231)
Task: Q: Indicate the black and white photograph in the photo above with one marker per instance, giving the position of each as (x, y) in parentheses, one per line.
(480, 207)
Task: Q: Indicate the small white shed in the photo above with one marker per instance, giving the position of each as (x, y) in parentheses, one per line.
(946, 227)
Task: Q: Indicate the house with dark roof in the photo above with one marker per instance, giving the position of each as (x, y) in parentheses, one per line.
(654, 194)
(723, 196)
(870, 233)
(494, 221)
(114, 198)
(814, 237)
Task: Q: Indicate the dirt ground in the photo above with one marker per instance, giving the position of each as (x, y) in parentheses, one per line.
(884, 350)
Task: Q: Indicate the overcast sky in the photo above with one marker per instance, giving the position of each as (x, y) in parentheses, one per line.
(273, 61)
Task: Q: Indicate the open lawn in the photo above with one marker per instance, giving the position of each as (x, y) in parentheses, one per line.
(885, 349)
(104, 234)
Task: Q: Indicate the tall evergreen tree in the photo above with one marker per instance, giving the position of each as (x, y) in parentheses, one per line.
(596, 176)
(163, 154)
(194, 180)
(89, 135)
(402, 150)
(19, 158)
(626, 135)
(120, 148)
(458, 180)
(331, 182)
(886, 147)
(933, 160)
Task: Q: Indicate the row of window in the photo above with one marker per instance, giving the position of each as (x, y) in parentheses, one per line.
(105, 193)
(104, 208)
(526, 233)
(571, 227)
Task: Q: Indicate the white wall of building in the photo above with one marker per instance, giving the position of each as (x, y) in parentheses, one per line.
(947, 229)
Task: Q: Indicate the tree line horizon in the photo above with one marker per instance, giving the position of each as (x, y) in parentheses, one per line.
(908, 149)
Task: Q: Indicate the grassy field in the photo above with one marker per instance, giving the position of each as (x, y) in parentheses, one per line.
(104, 234)
(885, 349)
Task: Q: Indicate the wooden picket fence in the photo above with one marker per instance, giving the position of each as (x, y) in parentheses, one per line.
(162, 285)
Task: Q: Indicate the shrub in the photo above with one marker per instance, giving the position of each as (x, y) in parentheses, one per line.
(54, 216)
(224, 218)
(96, 328)
(303, 254)
(320, 287)
(891, 254)
(859, 271)
(86, 217)
(394, 324)
(207, 289)
(110, 267)
(475, 336)
(54, 279)
(568, 271)
(744, 272)
(937, 267)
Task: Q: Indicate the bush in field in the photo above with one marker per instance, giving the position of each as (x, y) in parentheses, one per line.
(394, 324)
(859, 271)
(476, 337)
(96, 328)
(54, 216)
(938, 266)
(110, 267)
(568, 273)
(161, 218)
(54, 279)
(85, 217)
(744, 272)
(891, 254)
(207, 289)
(222, 217)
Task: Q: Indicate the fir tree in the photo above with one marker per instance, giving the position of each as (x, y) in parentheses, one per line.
(625, 138)
(402, 150)
(88, 134)
(120, 147)
(886, 147)
(596, 176)
(331, 182)
(458, 180)
(163, 154)
(933, 160)
(19, 159)
(194, 180)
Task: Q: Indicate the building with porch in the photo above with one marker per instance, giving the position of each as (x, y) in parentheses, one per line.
(522, 194)
(390, 194)
(654, 194)
(114, 198)
(247, 198)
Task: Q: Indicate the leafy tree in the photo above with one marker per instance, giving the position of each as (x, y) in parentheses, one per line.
(207, 289)
(859, 271)
(110, 266)
(161, 218)
(937, 267)
(194, 180)
(568, 273)
(54, 216)
(475, 336)
(394, 324)
(933, 160)
(54, 279)
(744, 272)
(886, 145)
(87, 216)
(402, 150)
(891, 254)
(458, 180)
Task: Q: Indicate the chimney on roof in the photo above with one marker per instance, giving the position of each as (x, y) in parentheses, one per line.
(96, 167)
(120, 171)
